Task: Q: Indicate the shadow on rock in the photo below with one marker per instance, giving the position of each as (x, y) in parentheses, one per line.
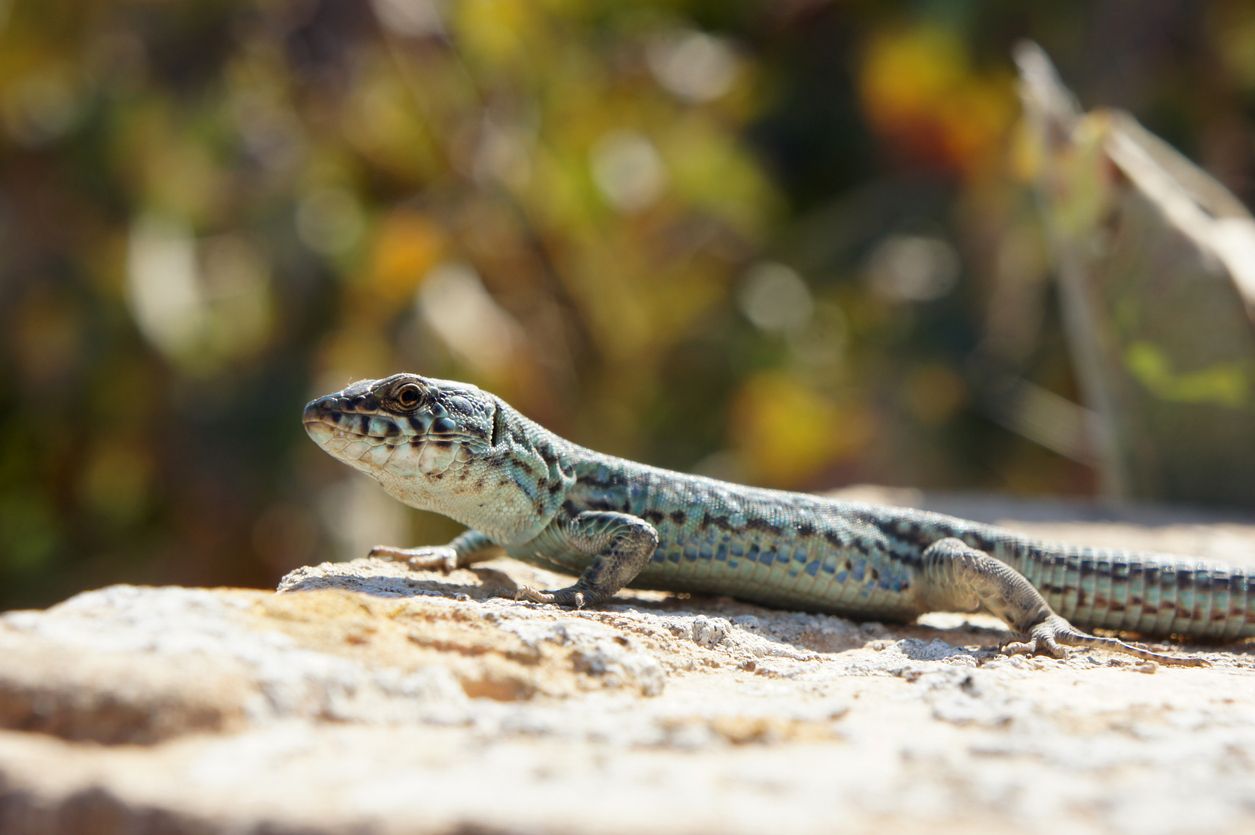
(385, 583)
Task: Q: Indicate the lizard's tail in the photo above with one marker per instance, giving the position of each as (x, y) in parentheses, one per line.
(1142, 593)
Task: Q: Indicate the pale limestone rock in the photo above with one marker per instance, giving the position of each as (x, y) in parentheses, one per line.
(365, 698)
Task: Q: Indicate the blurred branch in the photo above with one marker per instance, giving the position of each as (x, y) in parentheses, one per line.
(556, 288)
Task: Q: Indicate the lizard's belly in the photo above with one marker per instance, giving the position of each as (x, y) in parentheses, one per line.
(793, 575)
(806, 575)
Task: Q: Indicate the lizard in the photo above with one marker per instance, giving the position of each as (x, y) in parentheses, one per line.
(523, 491)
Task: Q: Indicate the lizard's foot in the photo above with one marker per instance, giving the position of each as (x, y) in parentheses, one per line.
(1050, 636)
(570, 597)
(442, 558)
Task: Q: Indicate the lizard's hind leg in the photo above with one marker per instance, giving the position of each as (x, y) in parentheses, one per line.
(960, 577)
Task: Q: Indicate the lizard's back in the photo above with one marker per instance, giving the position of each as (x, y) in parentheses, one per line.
(803, 551)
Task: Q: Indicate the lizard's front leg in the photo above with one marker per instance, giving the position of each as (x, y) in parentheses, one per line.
(959, 577)
(620, 546)
(466, 549)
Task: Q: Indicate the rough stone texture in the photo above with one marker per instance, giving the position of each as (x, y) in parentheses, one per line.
(367, 699)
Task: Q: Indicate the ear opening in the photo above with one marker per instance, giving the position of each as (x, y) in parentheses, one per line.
(498, 424)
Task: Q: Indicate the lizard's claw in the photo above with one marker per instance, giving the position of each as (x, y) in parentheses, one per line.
(440, 558)
(569, 597)
(1041, 641)
(1047, 638)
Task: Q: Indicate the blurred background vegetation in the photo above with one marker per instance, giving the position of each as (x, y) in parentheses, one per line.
(787, 242)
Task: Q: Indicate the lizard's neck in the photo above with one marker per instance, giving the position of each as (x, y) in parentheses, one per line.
(509, 492)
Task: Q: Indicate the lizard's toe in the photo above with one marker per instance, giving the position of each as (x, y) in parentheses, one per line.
(532, 595)
(1043, 639)
(569, 597)
(429, 558)
(1035, 646)
(1019, 648)
(1045, 636)
(1047, 645)
(1051, 635)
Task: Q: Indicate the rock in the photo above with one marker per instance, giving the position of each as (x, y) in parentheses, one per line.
(1147, 246)
(367, 698)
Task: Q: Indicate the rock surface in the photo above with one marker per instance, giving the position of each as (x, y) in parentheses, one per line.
(364, 698)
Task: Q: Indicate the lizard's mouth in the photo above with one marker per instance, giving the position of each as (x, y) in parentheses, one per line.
(330, 426)
(345, 428)
(426, 443)
(336, 430)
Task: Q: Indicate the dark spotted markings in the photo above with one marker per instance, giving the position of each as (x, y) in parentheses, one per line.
(878, 559)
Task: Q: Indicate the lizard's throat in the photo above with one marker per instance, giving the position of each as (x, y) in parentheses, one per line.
(461, 477)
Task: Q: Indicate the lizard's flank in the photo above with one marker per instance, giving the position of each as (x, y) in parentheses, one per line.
(524, 491)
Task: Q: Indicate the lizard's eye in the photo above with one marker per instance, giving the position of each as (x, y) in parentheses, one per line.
(407, 396)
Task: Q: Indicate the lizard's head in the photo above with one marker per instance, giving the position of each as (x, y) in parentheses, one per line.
(407, 430)
(445, 446)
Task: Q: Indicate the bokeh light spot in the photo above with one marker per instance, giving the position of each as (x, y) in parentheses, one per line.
(912, 268)
(628, 170)
(775, 298)
(693, 65)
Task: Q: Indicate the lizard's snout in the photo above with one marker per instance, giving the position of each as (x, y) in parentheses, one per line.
(321, 418)
(322, 409)
(317, 408)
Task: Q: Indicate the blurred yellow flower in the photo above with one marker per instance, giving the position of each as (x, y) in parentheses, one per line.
(405, 246)
(786, 431)
(921, 95)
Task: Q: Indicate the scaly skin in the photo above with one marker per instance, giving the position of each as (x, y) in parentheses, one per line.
(521, 490)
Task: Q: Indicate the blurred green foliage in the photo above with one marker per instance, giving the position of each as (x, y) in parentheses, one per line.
(781, 242)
